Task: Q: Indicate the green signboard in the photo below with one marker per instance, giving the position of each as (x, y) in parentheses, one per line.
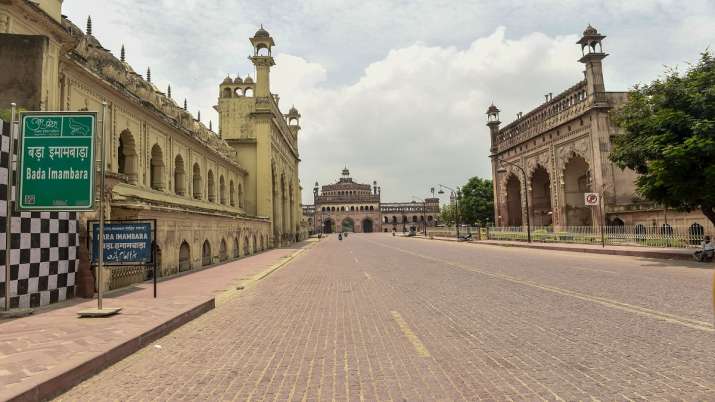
(56, 169)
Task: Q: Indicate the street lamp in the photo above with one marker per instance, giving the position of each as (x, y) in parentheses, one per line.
(315, 210)
(526, 195)
(456, 194)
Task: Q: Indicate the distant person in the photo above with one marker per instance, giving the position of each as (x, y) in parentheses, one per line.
(708, 251)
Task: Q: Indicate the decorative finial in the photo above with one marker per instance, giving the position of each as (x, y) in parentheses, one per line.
(89, 25)
(185, 105)
(198, 116)
(211, 128)
(123, 54)
(168, 91)
(148, 74)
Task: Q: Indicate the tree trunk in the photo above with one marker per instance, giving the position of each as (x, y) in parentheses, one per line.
(708, 212)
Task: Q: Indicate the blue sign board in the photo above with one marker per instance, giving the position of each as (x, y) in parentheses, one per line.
(124, 243)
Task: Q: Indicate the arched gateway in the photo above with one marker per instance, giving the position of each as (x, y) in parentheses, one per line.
(367, 225)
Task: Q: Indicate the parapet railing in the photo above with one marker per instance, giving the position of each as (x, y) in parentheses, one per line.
(636, 235)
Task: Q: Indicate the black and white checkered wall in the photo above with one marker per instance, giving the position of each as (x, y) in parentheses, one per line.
(43, 256)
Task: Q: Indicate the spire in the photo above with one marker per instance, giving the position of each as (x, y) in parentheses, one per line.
(198, 116)
(123, 54)
(168, 91)
(211, 127)
(148, 74)
(185, 105)
(89, 25)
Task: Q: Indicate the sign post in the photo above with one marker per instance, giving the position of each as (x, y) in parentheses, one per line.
(8, 215)
(124, 243)
(56, 161)
(595, 199)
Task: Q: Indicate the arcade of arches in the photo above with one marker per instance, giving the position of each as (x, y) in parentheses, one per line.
(550, 156)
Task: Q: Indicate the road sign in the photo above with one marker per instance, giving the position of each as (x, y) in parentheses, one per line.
(591, 199)
(56, 161)
(124, 243)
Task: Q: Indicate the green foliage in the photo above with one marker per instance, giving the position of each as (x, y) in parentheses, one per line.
(669, 138)
(447, 214)
(477, 202)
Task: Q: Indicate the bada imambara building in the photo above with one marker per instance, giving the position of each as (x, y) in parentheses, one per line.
(558, 151)
(215, 194)
(347, 206)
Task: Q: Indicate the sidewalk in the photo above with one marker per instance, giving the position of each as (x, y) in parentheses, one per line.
(645, 252)
(45, 354)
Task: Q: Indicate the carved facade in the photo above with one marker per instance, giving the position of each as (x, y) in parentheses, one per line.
(213, 194)
(347, 206)
(558, 151)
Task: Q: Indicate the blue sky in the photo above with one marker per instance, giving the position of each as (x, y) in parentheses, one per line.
(397, 90)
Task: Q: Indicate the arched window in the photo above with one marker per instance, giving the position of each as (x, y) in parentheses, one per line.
(245, 246)
(254, 244)
(240, 195)
(231, 196)
(179, 176)
(212, 187)
(696, 233)
(394, 219)
(223, 251)
(352, 208)
(222, 190)
(666, 230)
(127, 157)
(227, 92)
(206, 253)
(156, 172)
(372, 207)
(387, 220)
(414, 218)
(248, 92)
(184, 256)
(197, 182)
(238, 92)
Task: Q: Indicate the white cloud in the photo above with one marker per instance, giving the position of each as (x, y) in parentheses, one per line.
(397, 89)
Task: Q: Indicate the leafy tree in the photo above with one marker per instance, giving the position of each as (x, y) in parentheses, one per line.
(447, 214)
(477, 202)
(669, 138)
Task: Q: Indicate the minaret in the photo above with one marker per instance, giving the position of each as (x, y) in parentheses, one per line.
(493, 124)
(592, 51)
(122, 55)
(89, 25)
(262, 44)
(293, 121)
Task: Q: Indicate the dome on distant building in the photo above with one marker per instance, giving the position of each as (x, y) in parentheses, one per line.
(492, 109)
(238, 80)
(262, 33)
(248, 80)
(227, 80)
(293, 111)
(590, 31)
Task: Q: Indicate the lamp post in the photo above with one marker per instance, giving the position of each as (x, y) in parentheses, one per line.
(315, 208)
(526, 197)
(456, 194)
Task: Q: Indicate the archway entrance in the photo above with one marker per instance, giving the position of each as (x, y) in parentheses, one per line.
(541, 197)
(206, 253)
(328, 226)
(576, 183)
(367, 225)
(513, 201)
(223, 251)
(348, 225)
(184, 257)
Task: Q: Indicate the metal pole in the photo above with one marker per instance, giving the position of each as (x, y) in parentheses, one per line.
(526, 199)
(100, 265)
(8, 214)
(153, 250)
(456, 211)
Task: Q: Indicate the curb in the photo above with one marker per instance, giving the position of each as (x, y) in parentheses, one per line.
(52, 387)
(664, 255)
(73, 376)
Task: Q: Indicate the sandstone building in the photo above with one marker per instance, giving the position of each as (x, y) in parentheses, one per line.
(215, 195)
(563, 145)
(347, 206)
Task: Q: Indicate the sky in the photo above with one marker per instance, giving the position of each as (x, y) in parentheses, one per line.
(397, 90)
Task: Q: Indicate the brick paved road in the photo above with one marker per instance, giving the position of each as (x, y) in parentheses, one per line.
(380, 318)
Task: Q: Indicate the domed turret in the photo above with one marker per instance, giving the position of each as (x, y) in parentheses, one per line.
(590, 31)
(238, 80)
(227, 80)
(261, 33)
(248, 80)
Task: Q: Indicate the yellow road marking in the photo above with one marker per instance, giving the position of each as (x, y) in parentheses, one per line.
(671, 318)
(411, 336)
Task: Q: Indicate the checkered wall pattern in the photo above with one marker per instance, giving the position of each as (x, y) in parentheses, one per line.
(43, 256)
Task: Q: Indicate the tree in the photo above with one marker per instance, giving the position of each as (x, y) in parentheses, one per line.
(477, 202)
(669, 138)
(447, 214)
